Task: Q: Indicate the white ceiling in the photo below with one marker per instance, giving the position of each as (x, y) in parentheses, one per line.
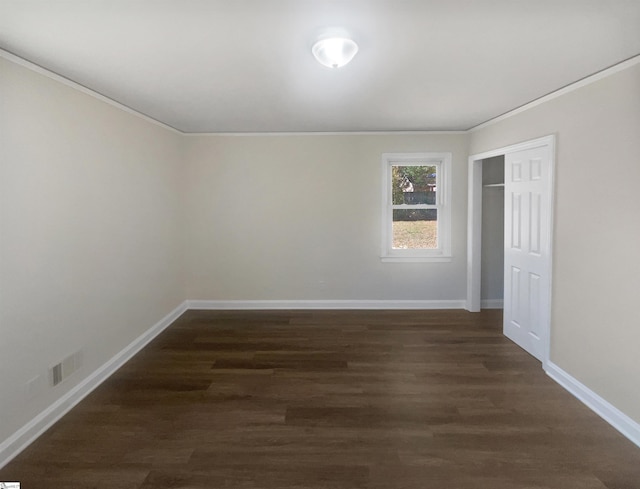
(246, 65)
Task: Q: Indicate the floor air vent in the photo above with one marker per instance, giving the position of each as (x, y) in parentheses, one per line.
(66, 367)
(56, 374)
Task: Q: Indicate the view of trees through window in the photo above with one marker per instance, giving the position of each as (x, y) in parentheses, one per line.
(415, 223)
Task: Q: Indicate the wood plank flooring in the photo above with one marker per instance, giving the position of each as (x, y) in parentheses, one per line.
(330, 399)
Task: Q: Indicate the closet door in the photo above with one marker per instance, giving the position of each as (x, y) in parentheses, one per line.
(527, 249)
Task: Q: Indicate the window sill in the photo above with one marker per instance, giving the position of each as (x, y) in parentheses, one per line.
(416, 259)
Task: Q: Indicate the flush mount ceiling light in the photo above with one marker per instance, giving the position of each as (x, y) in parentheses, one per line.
(334, 52)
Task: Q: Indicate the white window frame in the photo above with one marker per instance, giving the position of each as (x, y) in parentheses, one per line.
(442, 162)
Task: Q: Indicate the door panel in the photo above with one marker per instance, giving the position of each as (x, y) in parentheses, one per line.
(527, 248)
(514, 299)
(516, 221)
(534, 305)
(535, 223)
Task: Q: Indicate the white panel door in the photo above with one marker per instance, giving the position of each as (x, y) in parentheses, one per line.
(527, 257)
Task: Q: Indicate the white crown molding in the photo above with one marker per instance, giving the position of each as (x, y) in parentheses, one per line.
(320, 133)
(557, 93)
(561, 91)
(81, 88)
(87, 91)
(612, 415)
(324, 304)
(22, 438)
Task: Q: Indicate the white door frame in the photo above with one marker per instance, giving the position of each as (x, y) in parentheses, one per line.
(474, 223)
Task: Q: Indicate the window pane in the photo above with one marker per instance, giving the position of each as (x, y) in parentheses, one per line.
(413, 184)
(415, 229)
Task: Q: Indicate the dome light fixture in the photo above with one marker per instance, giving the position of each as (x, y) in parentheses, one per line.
(334, 52)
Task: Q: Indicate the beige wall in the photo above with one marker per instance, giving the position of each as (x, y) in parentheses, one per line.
(299, 217)
(596, 267)
(90, 250)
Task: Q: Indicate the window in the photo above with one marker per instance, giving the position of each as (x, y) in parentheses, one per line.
(416, 222)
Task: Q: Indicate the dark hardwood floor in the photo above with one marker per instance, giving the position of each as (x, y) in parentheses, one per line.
(330, 399)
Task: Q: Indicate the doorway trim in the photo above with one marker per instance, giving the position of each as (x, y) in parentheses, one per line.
(474, 224)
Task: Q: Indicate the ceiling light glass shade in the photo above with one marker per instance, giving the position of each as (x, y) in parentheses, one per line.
(335, 51)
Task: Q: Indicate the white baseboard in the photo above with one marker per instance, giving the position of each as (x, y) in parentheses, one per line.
(17, 442)
(326, 304)
(22, 438)
(492, 304)
(612, 415)
(38, 425)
